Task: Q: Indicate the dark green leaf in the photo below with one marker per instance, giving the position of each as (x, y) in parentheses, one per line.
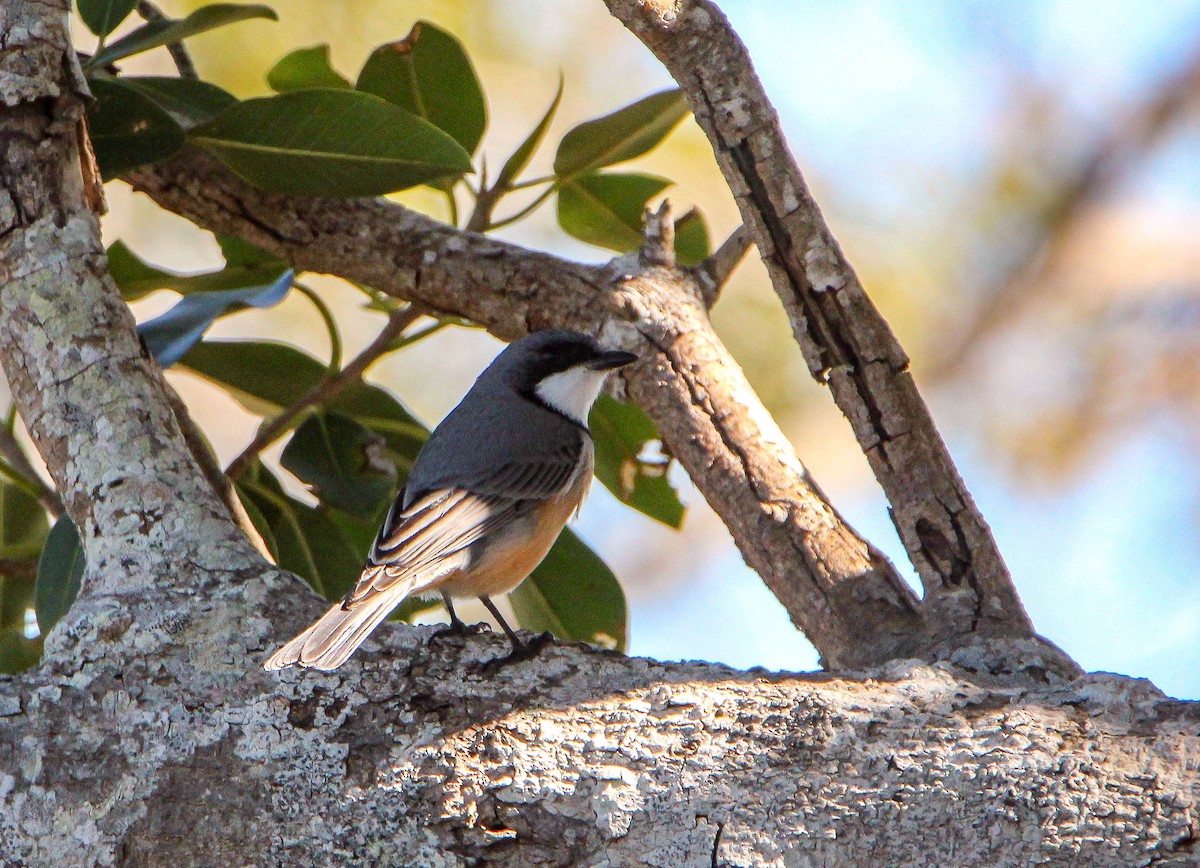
(103, 16)
(156, 33)
(621, 432)
(429, 74)
(622, 135)
(128, 128)
(305, 67)
(574, 595)
(521, 156)
(309, 543)
(16, 599)
(328, 142)
(23, 524)
(242, 254)
(342, 462)
(170, 335)
(691, 239)
(59, 573)
(136, 278)
(266, 377)
(188, 100)
(606, 210)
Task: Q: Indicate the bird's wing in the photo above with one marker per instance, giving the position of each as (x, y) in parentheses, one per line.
(422, 539)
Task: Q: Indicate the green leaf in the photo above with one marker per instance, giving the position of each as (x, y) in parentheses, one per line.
(691, 239)
(622, 135)
(607, 210)
(16, 598)
(137, 278)
(128, 128)
(429, 74)
(304, 68)
(23, 524)
(188, 100)
(59, 573)
(522, 155)
(328, 142)
(574, 595)
(157, 33)
(266, 377)
(102, 17)
(342, 462)
(621, 433)
(308, 542)
(171, 334)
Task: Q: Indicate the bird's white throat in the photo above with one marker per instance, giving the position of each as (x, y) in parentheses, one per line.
(572, 392)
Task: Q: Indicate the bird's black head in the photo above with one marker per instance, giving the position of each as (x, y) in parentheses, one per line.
(561, 369)
(542, 354)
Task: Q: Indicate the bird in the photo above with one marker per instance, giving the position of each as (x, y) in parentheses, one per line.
(488, 494)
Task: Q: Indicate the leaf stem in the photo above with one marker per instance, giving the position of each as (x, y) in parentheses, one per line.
(532, 182)
(272, 430)
(335, 339)
(527, 210)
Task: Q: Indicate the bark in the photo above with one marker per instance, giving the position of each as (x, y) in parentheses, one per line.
(413, 756)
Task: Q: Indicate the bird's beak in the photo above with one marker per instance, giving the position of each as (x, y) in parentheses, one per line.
(606, 361)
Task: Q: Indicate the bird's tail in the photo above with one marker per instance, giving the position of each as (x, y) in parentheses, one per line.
(329, 642)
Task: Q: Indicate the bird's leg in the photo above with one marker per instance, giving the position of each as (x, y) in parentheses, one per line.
(457, 626)
(520, 650)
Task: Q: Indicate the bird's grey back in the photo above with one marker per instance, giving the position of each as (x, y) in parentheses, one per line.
(495, 438)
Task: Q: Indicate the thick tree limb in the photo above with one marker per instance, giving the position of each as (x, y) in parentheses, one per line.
(413, 757)
(845, 341)
(840, 591)
(94, 402)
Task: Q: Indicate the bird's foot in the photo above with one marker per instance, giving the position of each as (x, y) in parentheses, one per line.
(459, 628)
(520, 651)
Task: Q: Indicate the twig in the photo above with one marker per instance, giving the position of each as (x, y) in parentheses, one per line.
(179, 54)
(715, 270)
(14, 455)
(11, 568)
(658, 246)
(397, 322)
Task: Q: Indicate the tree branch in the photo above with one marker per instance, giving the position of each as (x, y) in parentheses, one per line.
(845, 341)
(94, 402)
(839, 590)
(721, 264)
(178, 51)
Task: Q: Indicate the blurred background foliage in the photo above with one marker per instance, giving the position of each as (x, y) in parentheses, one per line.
(1018, 185)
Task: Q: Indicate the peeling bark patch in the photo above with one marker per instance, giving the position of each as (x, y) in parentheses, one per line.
(211, 809)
